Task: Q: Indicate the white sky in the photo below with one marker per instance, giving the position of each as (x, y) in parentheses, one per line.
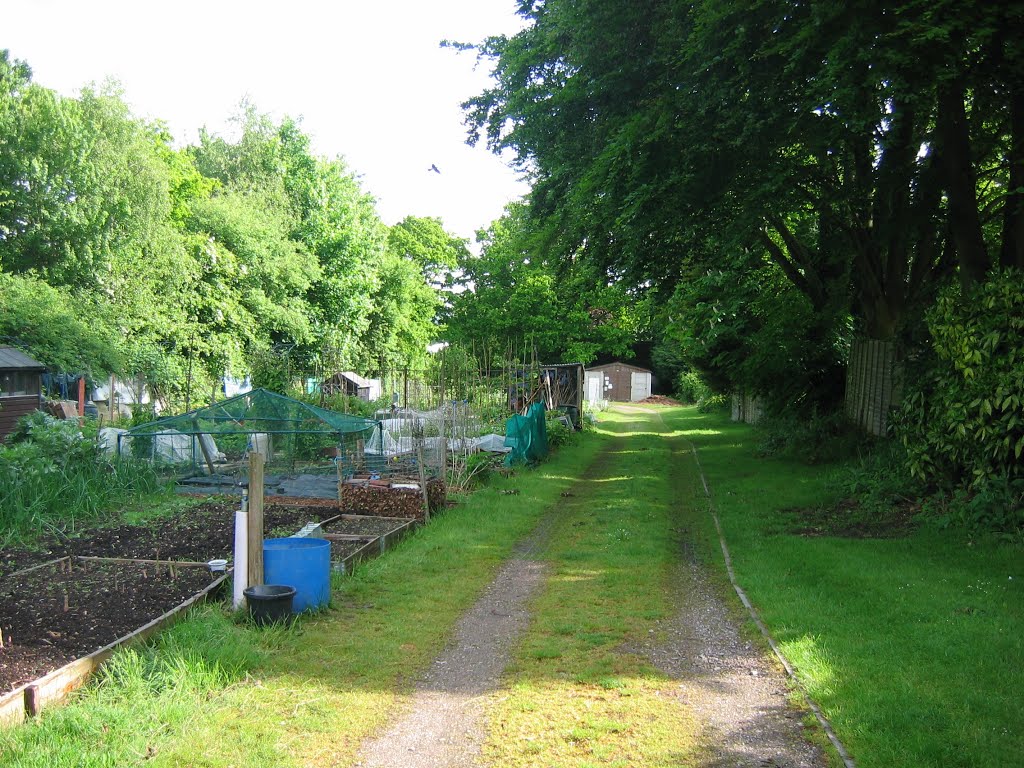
(368, 78)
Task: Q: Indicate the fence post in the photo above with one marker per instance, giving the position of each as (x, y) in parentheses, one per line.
(255, 539)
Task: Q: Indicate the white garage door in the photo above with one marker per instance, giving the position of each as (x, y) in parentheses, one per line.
(640, 386)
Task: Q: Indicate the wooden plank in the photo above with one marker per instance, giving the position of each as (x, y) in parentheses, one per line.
(176, 563)
(255, 549)
(12, 706)
(37, 567)
(348, 537)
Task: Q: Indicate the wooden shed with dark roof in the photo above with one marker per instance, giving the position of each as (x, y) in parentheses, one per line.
(618, 381)
(20, 387)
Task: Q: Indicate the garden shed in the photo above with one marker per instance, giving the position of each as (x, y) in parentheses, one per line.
(20, 387)
(353, 385)
(618, 381)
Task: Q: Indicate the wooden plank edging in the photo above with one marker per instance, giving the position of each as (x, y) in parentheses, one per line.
(55, 686)
(376, 546)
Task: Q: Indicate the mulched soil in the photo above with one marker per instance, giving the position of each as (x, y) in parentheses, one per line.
(846, 519)
(107, 601)
(659, 400)
(55, 614)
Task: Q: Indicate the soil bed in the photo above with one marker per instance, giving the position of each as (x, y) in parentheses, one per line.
(847, 519)
(55, 614)
(342, 549)
(106, 601)
(199, 533)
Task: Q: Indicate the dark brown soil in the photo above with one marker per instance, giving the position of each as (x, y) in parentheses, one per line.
(198, 533)
(107, 601)
(52, 615)
(342, 549)
(848, 519)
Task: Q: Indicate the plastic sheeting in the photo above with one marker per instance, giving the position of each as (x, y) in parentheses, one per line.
(527, 436)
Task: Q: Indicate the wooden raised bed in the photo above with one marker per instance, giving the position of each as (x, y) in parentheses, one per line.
(374, 546)
(29, 699)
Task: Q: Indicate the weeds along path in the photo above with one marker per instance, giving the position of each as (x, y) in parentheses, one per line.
(632, 656)
(445, 723)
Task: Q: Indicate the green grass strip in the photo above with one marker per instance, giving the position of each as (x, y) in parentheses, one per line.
(210, 692)
(579, 692)
(913, 647)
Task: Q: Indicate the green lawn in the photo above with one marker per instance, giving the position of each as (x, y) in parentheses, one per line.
(914, 646)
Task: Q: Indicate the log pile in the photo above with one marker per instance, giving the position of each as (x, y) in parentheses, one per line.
(384, 501)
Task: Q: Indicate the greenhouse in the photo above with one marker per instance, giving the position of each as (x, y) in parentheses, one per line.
(217, 439)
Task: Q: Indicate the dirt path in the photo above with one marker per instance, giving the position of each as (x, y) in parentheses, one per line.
(445, 726)
(729, 685)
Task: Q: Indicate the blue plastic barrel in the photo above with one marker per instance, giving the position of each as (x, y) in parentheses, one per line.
(301, 563)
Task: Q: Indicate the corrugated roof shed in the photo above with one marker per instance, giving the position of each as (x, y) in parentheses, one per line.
(14, 359)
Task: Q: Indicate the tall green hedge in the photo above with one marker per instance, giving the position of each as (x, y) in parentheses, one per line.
(962, 422)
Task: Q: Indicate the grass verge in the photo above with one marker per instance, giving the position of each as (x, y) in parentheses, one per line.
(214, 693)
(913, 646)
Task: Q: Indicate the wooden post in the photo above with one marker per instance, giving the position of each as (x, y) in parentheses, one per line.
(255, 538)
(81, 396)
(202, 446)
(423, 483)
(32, 702)
(341, 480)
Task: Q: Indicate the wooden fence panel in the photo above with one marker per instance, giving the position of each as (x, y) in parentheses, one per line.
(871, 384)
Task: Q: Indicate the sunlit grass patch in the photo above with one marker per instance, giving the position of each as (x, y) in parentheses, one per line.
(628, 722)
(575, 693)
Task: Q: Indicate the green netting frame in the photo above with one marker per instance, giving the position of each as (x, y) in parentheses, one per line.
(298, 431)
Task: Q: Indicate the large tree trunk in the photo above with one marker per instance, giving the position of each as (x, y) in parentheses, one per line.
(1012, 252)
(961, 183)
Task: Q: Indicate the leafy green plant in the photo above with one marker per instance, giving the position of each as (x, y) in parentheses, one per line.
(820, 437)
(992, 504)
(691, 388)
(53, 475)
(558, 433)
(712, 402)
(962, 422)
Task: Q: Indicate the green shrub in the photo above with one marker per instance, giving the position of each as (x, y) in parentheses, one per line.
(690, 387)
(991, 504)
(558, 433)
(962, 420)
(53, 474)
(814, 439)
(712, 402)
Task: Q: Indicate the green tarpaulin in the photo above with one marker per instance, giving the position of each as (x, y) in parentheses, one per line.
(527, 436)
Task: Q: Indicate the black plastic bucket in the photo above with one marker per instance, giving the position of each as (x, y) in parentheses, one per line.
(269, 603)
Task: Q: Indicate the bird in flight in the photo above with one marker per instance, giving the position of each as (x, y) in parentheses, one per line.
(433, 168)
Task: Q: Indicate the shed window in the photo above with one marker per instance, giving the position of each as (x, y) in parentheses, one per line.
(14, 383)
